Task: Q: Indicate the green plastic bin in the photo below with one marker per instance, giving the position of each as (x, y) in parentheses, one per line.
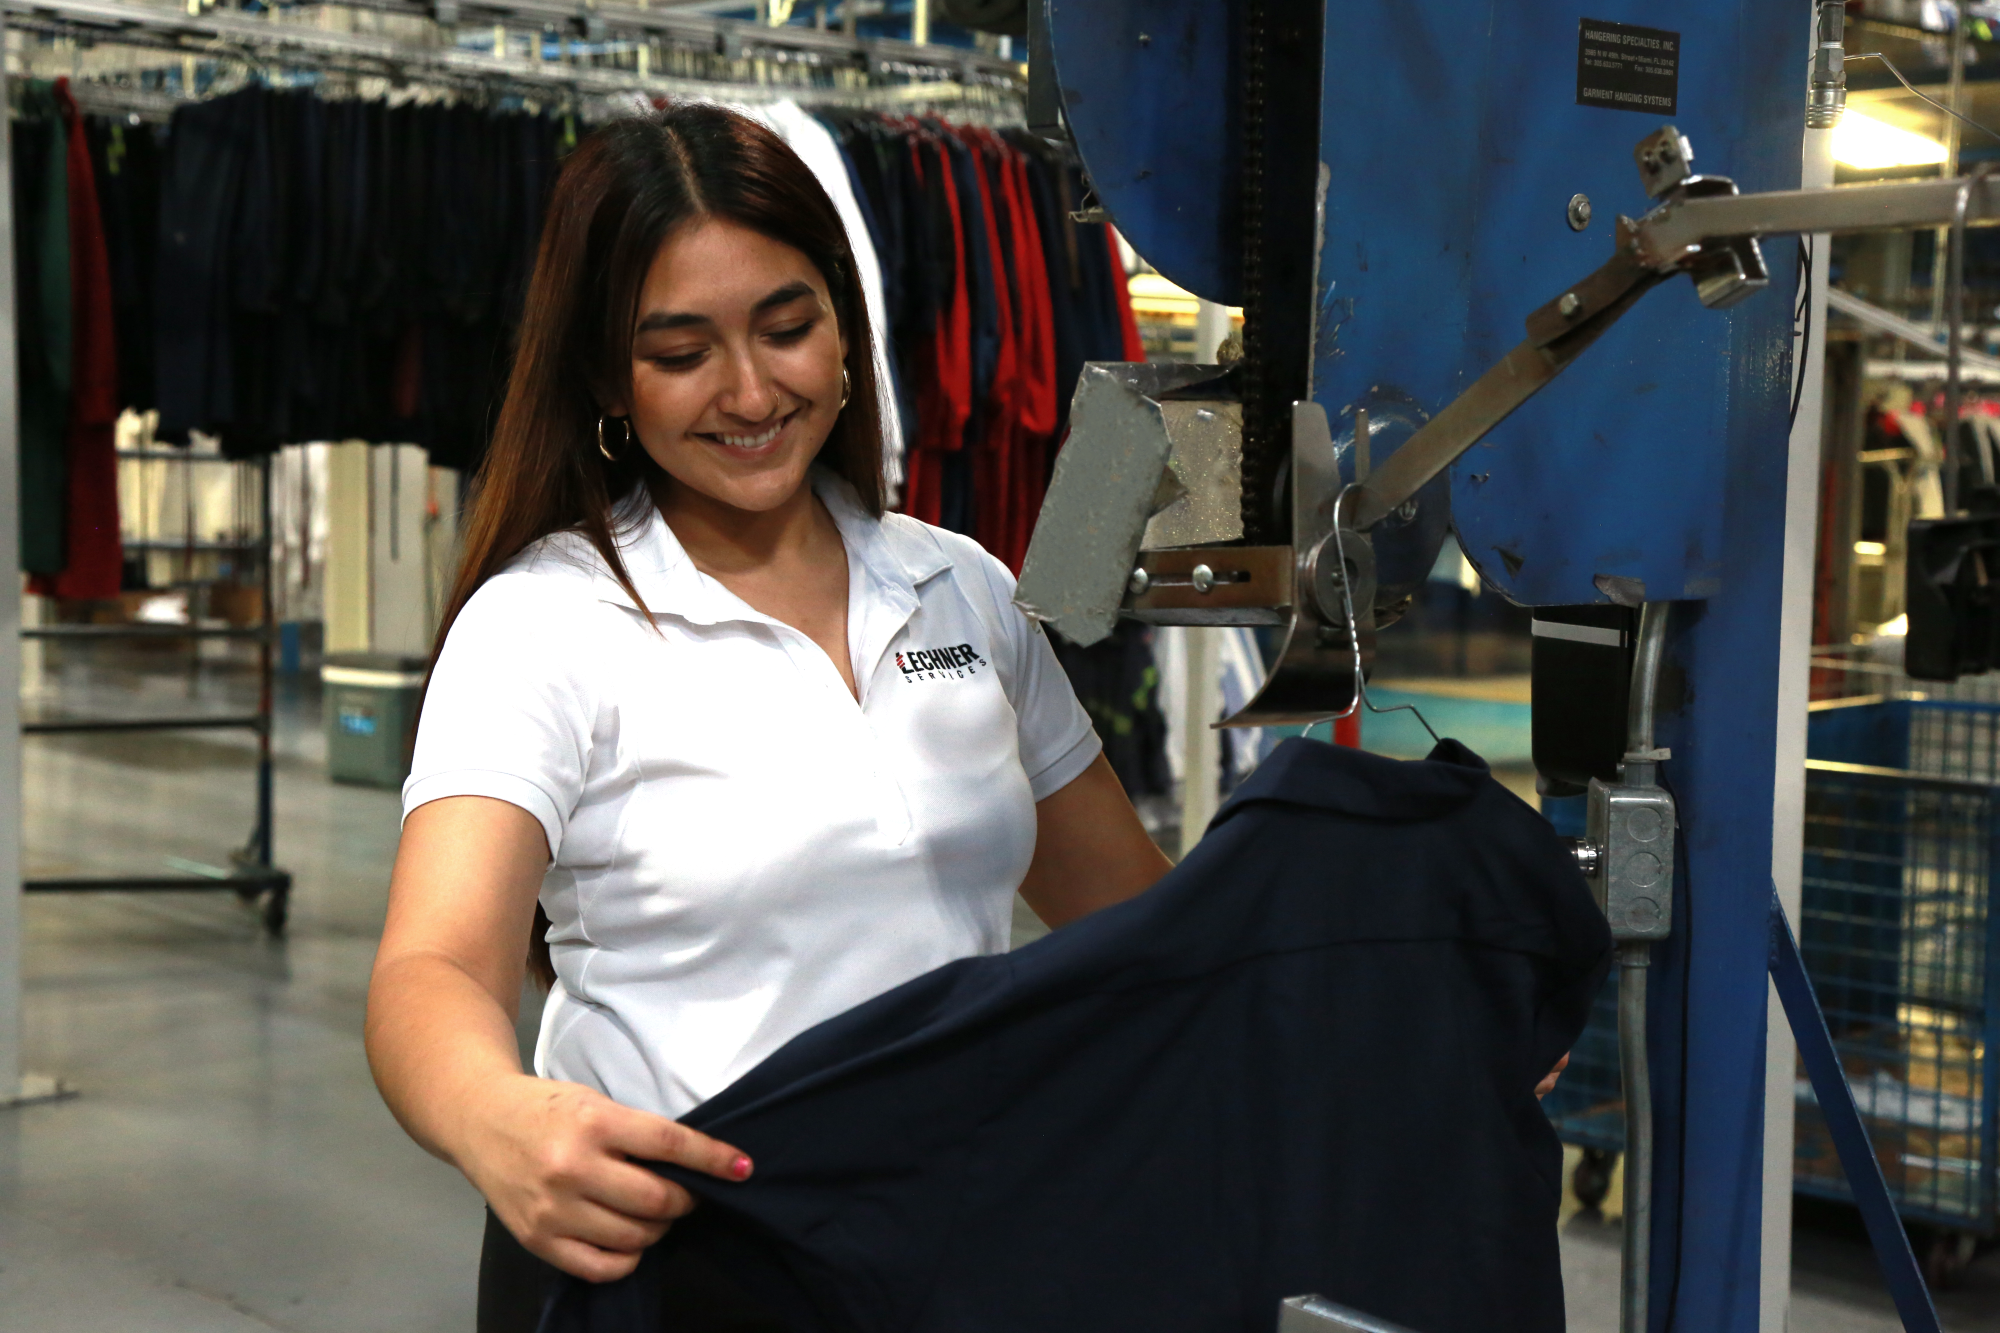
(371, 715)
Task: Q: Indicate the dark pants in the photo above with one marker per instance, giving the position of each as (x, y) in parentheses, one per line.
(514, 1285)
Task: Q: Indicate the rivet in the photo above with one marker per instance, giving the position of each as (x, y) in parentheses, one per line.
(1569, 305)
(1139, 582)
(1579, 212)
(1203, 578)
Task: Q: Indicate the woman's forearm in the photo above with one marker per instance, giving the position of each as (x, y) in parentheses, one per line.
(448, 971)
(438, 1042)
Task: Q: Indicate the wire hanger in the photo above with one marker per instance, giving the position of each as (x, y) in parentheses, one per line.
(1360, 699)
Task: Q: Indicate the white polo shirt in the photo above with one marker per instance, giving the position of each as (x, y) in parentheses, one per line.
(739, 849)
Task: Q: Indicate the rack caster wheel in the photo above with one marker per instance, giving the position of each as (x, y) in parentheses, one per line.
(1949, 1255)
(1592, 1178)
(277, 907)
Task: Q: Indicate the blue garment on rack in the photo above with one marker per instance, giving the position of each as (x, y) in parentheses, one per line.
(1303, 1062)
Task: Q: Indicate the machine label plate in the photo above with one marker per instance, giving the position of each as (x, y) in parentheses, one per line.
(1627, 68)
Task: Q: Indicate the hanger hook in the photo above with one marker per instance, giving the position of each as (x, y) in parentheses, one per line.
(1360, 699)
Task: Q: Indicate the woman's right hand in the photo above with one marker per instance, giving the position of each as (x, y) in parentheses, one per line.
(558, 1163)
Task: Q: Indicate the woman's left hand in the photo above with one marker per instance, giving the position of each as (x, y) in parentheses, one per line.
(1548, 1085)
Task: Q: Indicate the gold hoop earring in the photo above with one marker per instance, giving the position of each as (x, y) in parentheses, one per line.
(846, 387)
(610, 457)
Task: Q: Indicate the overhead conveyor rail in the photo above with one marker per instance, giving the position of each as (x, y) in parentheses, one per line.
(220, 31)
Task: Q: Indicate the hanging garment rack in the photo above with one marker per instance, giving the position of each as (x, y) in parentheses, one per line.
(914, 77)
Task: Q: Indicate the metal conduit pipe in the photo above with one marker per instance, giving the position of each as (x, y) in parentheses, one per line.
(1639, 755)
(1635, 958)
(1635, 962)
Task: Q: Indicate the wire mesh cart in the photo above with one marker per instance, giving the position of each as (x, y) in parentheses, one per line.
(1902, 846)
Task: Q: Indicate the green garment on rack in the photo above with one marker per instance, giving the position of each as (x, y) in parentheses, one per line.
(42, 327)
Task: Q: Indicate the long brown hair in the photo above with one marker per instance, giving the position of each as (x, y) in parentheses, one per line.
(620, 196)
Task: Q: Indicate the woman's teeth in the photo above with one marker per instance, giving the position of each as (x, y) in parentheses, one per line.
(753, 441)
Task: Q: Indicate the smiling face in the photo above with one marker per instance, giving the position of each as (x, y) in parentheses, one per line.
(736, 365)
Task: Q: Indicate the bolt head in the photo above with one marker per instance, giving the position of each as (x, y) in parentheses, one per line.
(1579, 212)
(1203, 578)
(1569, 305)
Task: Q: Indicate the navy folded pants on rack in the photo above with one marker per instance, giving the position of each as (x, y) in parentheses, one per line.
(1304, 1061)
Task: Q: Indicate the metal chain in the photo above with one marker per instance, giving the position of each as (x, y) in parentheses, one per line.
(1259, 459)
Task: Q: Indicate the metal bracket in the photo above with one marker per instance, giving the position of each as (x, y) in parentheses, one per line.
(1325, 655)
(1112, 476)
(1665, 159)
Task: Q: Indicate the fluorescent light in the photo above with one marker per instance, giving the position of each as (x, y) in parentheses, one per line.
(1153, 285)
(1870, 548)
(1870, 144)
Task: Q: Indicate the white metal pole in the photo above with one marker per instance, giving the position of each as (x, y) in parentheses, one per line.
(1802, 485)
(1201, 750)
(1211, 327)
(12, 1084)
(10, 626)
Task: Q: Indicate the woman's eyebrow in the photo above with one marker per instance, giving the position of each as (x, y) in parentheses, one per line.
(661, 319)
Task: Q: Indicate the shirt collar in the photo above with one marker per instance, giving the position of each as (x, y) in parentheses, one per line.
(898, 555)
(1345, 781)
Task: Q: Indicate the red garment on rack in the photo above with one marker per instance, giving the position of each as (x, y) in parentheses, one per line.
(994, 462)
(1037, 360)
(944, 397)
(93, 546)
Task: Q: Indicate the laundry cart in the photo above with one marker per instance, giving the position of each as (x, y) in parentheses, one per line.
(1902, 846)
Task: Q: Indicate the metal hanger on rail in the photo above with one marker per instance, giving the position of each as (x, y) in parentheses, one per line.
(1361, 699)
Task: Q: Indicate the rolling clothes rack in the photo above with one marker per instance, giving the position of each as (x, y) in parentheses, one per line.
(250, 873)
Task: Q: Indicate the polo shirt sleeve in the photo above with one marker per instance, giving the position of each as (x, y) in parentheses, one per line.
(1057, 741)
(507, 714)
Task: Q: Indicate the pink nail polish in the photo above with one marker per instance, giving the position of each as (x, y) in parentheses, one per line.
(740, 1168)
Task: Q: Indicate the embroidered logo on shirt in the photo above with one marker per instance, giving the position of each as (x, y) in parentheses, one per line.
(955, 662)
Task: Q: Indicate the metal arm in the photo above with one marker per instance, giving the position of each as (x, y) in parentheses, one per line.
(1558, 333)
(1702, 227)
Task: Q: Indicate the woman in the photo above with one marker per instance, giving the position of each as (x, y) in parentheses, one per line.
(757, 750)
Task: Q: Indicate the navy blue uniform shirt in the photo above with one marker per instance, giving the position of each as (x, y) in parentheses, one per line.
(1304, 1061)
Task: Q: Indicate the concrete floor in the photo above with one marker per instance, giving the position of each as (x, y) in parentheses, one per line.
(227, 1164)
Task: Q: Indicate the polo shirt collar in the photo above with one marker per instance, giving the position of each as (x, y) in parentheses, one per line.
(897, 558)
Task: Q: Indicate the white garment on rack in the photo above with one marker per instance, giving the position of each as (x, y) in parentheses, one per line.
(1927, 486)
(1242, 667)
(814, 144)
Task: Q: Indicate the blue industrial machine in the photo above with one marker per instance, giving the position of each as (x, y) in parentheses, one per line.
(1428, 213)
